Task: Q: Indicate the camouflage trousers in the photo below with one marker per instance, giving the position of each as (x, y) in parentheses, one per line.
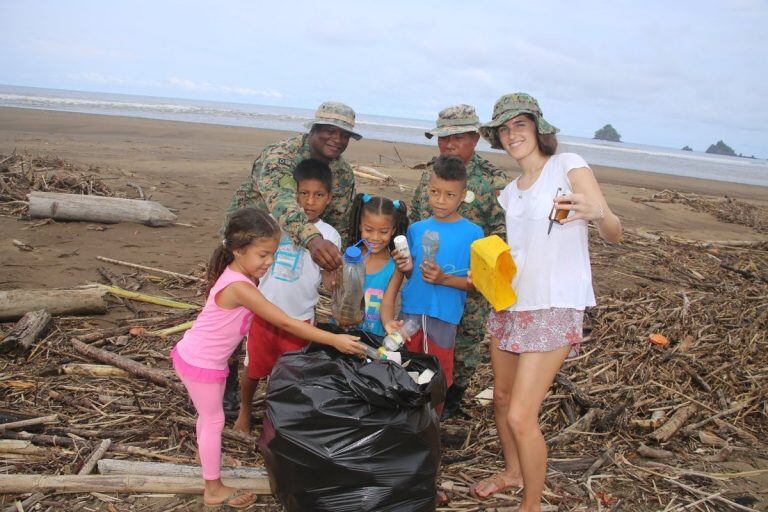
(469, 338)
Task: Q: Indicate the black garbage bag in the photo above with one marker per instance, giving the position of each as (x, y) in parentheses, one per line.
(342, 434)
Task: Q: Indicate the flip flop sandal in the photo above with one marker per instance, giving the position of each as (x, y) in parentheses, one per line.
(496, 483)
(234, 501)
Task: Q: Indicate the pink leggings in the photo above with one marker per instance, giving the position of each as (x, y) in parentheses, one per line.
(208, 398)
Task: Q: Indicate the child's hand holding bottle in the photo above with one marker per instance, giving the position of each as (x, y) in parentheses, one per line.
(398, 332)
(393, 326)
(402, 255)
(348, 344)
(432, 273)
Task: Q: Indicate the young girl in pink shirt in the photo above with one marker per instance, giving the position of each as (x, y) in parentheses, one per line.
(200, 358)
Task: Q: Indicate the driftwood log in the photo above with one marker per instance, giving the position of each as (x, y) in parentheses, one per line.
(742, 434)
(606, 456)
(121, 483)
(665, 432)
(93, 370)
(654, 453)
(106, 210)
(43, 420)
(581, 425)
(129, 467)
(152, 374)
(708, 438)
(19, 447)
(690, 429)
(95, 457)
(49, 440)
(30, 328)
(84, 300)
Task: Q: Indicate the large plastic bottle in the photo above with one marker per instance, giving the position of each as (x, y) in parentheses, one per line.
(347, 302)
(430, 243)
(395, 341)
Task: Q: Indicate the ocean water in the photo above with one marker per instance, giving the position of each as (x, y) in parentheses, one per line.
(624, 155)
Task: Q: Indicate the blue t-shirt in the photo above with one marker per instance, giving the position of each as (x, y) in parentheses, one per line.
(438, 301)
(374, 288)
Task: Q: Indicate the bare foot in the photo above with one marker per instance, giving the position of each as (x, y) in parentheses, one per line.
(235, 498)
(243, 423)
(497, 483)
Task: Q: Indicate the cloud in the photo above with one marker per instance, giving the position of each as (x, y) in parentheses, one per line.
(190, 85)
(103, 79)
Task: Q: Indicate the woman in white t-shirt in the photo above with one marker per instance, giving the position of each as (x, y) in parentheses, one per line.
(531, 339)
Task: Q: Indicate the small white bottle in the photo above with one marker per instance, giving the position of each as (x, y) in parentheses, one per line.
(401, 245)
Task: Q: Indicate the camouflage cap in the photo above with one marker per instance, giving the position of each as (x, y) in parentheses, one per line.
(510, 106)
(335, 114)
(456, 119)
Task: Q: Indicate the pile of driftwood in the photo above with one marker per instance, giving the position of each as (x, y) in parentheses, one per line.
(21, 173)
(726, 209)
(50, 188)
(381, 179)
(664, 408)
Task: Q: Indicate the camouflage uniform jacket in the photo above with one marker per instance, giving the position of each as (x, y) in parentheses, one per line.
(272, 188)
(485, 180)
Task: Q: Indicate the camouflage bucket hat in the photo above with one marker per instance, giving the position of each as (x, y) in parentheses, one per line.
(453, 120)
(336, 114)
(510, 106)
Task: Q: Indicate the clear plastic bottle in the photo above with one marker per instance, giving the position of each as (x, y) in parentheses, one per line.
(395, 341)
(430, 243)
(374, 354)
(347, 303)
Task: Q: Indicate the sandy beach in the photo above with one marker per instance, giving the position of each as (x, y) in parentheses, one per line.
(194, 168)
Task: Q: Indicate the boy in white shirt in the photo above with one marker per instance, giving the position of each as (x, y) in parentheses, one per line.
(291, 284)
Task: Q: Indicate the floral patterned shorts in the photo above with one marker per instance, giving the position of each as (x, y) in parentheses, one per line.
(540, 330)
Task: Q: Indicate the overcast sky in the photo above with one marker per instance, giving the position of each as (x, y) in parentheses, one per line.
(667, 73)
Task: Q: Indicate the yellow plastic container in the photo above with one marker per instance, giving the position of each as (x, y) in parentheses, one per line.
(492, 271)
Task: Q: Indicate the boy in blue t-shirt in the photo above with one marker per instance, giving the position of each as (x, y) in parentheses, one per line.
(437, 285)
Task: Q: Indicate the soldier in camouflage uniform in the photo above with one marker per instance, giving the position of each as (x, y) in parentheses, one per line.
(457, 134)
(272, 187)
